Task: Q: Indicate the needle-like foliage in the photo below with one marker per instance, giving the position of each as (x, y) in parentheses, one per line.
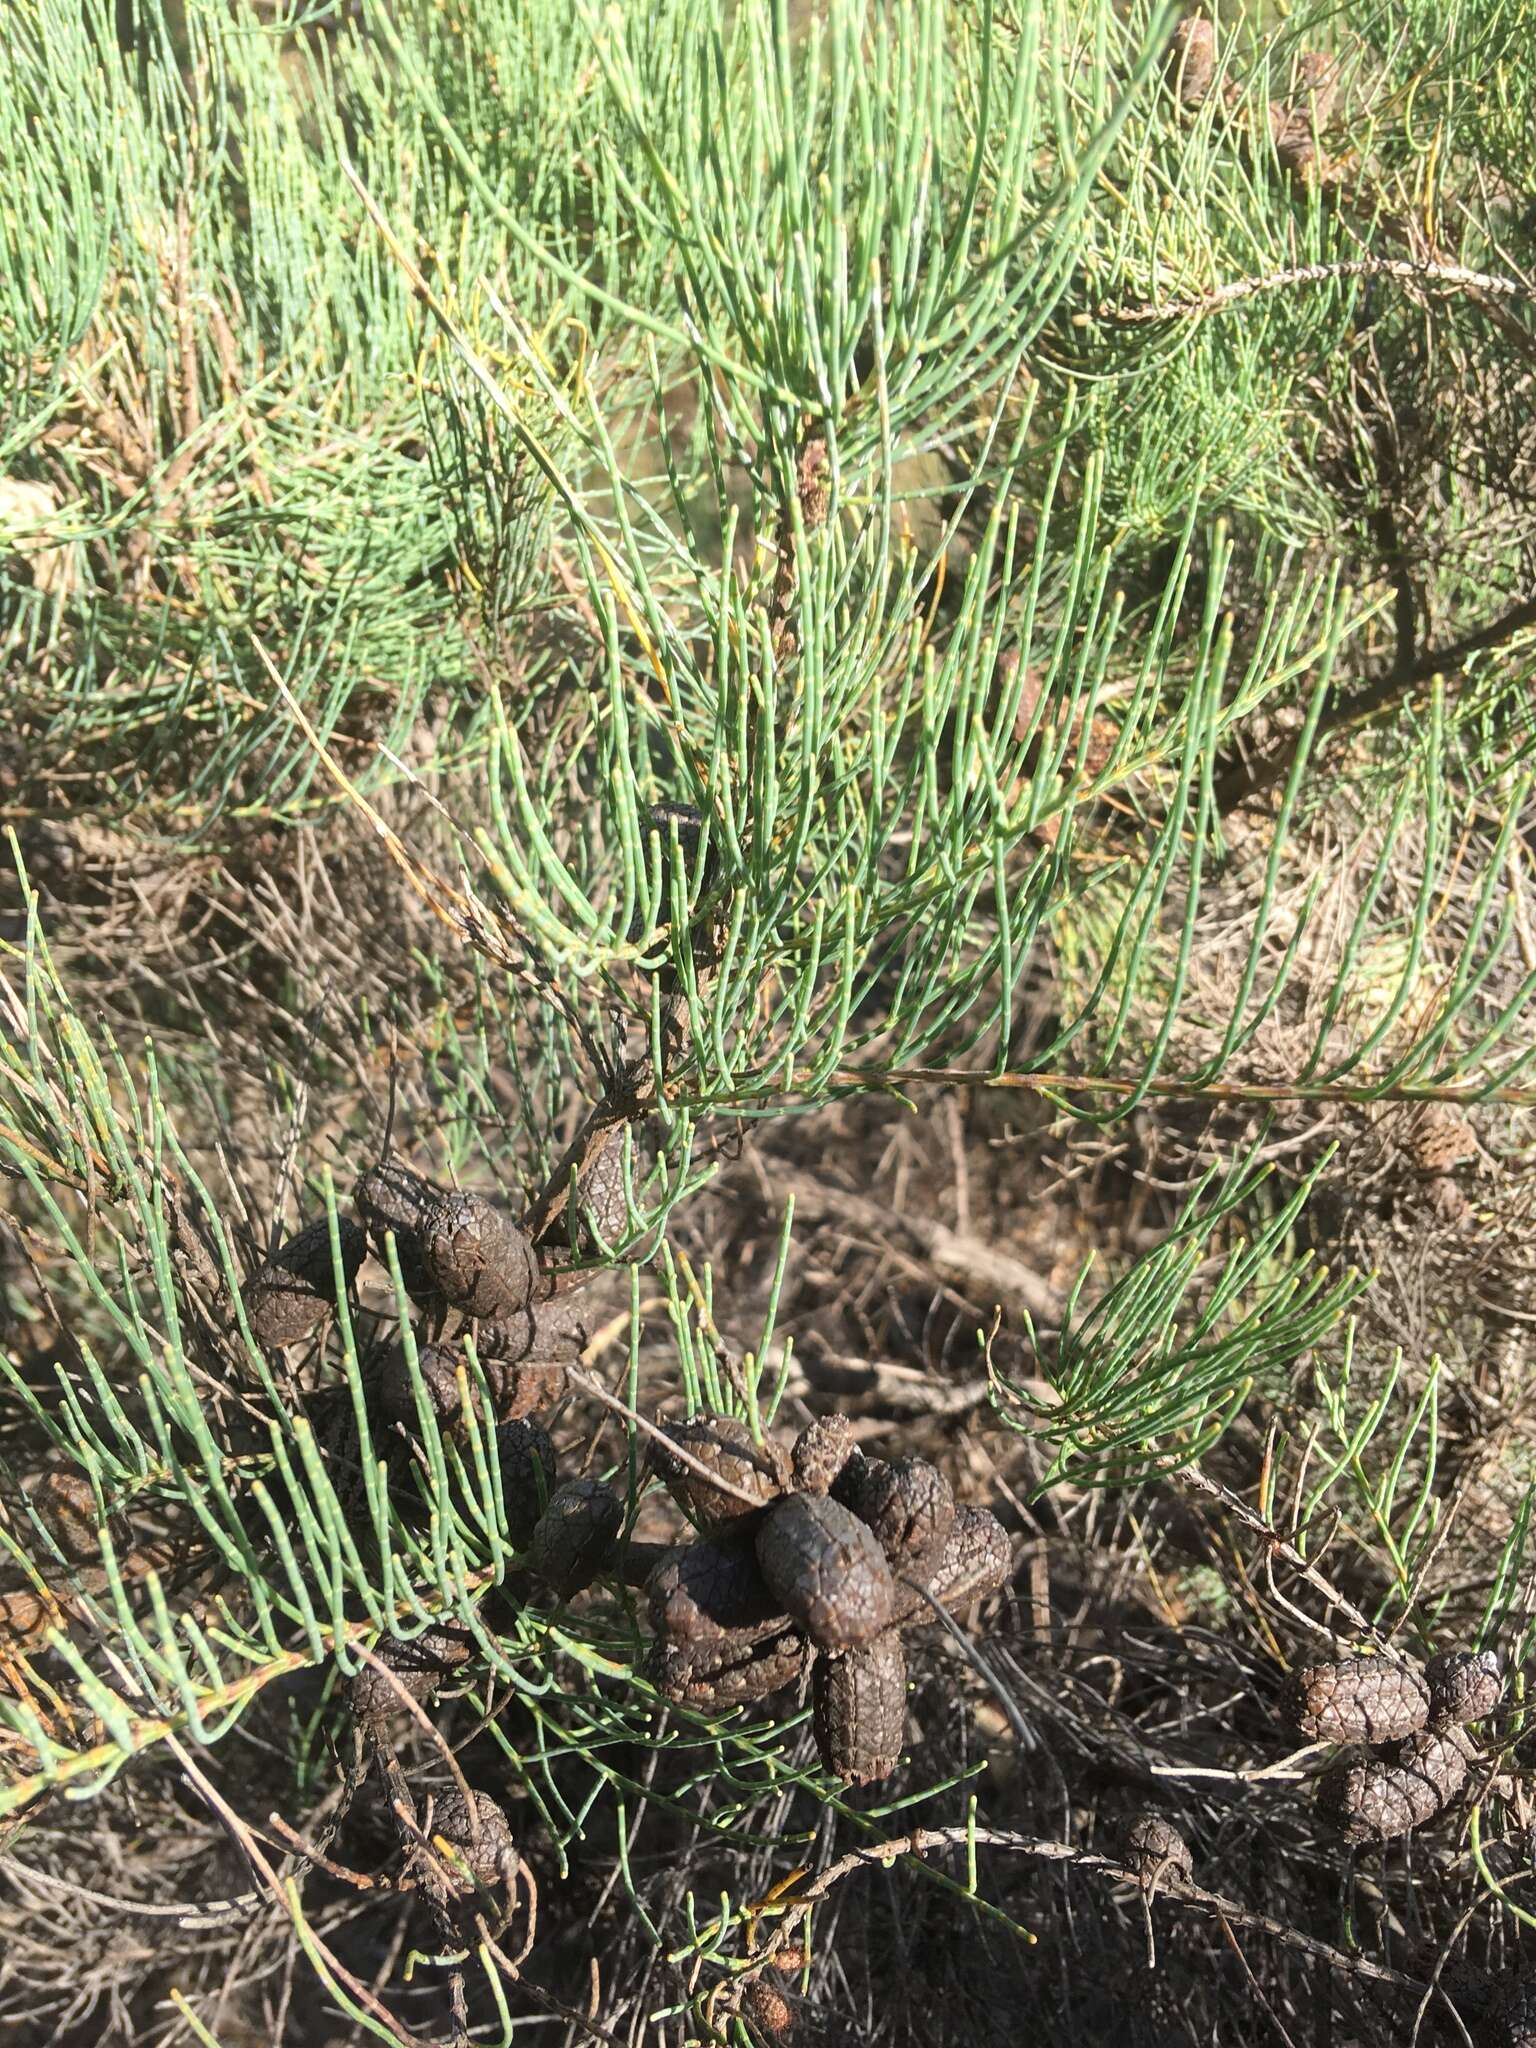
(655, 569)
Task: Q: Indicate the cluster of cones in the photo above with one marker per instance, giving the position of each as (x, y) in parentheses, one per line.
(1295, 121)
(461, 1847)
(1409, 1755)
(809, 1562)
(568, 1534)
(474, 1275)
(1406, 1749)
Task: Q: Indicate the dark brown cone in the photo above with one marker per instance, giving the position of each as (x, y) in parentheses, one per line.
(595, 1209)
(977, 1560)
(689, 822)
(827, 1570)
(725, 1445)
(64, 1502)
(1156, 1850)
(598, 1199)
(420, 1665)
(1192, 59)
(714, 1588)
(1359, 1699)
(909, 1507)
(439, 1367)
(1442, 1757)
(640, 1557)
(391, 1197)
(294, 1292)
(478, 1259)
(527, 1389)
(1316, 89)
(516, 1390)
(1464, 1685)
(529, 1474)
(576, 1535)
(1295, 144)
(1297, 120)
(25, 1618)
(549, 1332)
(1470, 1990)
(731, 1672)
(768, 2013)
(821, 1451)
(487, 1850)
(1372, 1801)
(192, 1254)
(860, 1700)
(527, 1354)
(507, 1339)
(1511, 2021)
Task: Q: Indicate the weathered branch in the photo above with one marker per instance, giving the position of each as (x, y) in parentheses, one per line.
(1445, 276)
(1386, 692)
(1227, 1911)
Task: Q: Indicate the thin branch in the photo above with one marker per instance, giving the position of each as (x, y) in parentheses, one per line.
(1180, 1088)
(189, 1917)
(283, 1887)
(1176, 1891)
(599, 1392)
(1385, 693)
(1192, 1477)
(1448, 276)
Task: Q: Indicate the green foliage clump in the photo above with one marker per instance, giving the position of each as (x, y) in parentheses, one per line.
(670, 569)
